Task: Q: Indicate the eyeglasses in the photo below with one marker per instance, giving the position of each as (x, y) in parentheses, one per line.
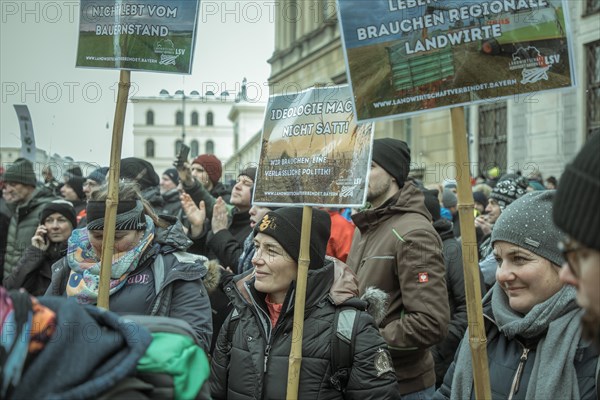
(569, 251)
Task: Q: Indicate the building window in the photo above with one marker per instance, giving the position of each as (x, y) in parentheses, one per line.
(210, 118)
(177, 146)
(592, 115)
(592, 6)
(194, 149)
(179, 118)
(150, 117)
(210, 147)
(492, 136)
(194, 118)
(149, 148)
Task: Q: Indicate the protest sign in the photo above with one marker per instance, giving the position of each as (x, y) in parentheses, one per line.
(151, 35)
(28, 149)
(409, 56)
(313, 152)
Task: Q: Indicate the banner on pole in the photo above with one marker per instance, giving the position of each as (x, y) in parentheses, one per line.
(153, 35)
(409, 56)
(28, 148)
(312, 151)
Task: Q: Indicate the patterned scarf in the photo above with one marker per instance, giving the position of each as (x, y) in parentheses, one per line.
(25, 328)
(84, 279)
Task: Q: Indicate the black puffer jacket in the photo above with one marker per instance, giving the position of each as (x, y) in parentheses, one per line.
(184, 292)
(255, 364)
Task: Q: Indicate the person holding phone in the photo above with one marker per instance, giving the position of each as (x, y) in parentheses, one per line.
(49, 244)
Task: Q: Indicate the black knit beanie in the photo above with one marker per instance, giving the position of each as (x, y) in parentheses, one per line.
(393, 156)
(578, 195)
(63, 207)
(432, 203)
(527, 223)
(140, 171)
(21, 171)
(173, 175)
(250, 172)
(285, 226)
(76, 183)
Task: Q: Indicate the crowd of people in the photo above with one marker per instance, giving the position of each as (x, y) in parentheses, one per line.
(385, 310)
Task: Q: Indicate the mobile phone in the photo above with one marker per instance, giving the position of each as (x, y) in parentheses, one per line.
(182, 156)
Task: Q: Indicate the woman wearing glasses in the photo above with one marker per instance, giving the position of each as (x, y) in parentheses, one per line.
(534, 346)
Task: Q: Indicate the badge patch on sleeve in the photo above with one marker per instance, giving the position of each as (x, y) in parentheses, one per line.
(423, 277)
(383, 362)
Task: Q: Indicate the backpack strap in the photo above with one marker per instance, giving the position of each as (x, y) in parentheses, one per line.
(342, 346)
(233, 324)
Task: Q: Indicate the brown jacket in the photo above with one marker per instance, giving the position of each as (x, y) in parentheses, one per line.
(396, 249)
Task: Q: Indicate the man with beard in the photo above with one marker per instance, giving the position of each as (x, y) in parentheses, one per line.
(576, 213)
(395, 248)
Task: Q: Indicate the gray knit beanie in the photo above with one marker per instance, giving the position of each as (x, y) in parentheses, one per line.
(449, 198)
(528, 223)
(21, 171)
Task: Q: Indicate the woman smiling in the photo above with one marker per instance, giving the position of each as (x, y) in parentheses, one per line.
(534, 345)
(251, 356)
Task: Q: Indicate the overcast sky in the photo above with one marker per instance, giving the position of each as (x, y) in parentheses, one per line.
(71, 107)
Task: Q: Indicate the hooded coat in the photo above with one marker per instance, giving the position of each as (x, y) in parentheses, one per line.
(186, 278)
(255, 364)
(395, 248)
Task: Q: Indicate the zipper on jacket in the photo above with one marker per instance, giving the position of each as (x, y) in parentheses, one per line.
(517, 379)
(267, 350)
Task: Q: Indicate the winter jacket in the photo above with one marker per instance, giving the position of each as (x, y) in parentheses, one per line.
(340, 239)
(34, 270)
(395, 248)
(90, 352)
(24, 222)
(504, 358)
(172, 204)
(255, 364)
(443, 352)
(152, 195)
(185, 284)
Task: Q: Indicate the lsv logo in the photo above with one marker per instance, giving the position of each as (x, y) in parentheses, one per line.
(534, 64)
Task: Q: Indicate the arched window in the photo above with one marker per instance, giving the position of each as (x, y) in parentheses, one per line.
(179, 118)
(194, 149)
(177, 146)
(209, 118)
(210, 147)
(149, 148)
(150, 117)
(194, 118)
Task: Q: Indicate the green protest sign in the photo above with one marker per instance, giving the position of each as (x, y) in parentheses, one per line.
(313, 153)
(409, 56)
(151, 35)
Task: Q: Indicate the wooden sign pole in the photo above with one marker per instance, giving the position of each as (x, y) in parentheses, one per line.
(295, 360)
(112, 201)
(477, 337)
